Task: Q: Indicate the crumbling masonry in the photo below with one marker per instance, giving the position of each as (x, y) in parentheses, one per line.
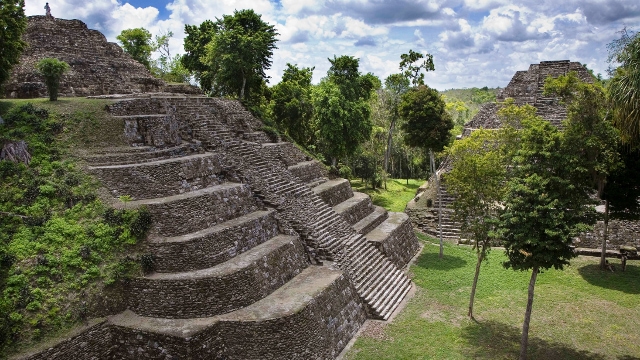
(257, 253)
(526, 87)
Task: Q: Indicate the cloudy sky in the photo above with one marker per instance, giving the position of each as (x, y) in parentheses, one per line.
(474, 42)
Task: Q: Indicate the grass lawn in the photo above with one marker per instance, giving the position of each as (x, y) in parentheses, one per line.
(397, 195)
(578, 313)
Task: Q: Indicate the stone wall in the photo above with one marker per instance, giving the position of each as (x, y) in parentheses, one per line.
(621, 232)
(165, 177)
(309, 171)
(318, 331)
(398, 244)
(241, 283)
(334, 195)
(96, 66)
(91, 343)
(286, 152)
(214, 245)
(193, 210)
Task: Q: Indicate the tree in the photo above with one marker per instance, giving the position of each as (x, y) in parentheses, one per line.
(545, 206)
(239, 52)
(395, 85)
(624, 87)
(195, 49)
(341, 103)
(411, 70)
(589, 133)
(292, 105)
(426, 126)
(137, 43)
(13, 23)
(477, 180)
(52, 70)
(166, 67)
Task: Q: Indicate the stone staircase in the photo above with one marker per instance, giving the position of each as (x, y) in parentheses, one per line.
(252, 258)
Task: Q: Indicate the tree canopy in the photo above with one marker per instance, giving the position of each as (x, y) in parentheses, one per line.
(137, 43)
(426, 121)
(13, 23)
(194, 46)
(238, 53)
(292, 105)
(624, 87)
(342, 108)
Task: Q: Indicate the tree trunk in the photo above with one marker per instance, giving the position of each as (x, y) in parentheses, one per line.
(389, 138)
(439, 195)
(475, 281)
(244, 83)
(524, 341)
(605, 236)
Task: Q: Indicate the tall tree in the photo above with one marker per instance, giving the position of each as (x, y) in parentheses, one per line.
(477, 180)
(341, 103)
(545, 207)
(589, 133)
(426, 126)
(624, 87)
(137, 43)
(195, 44)
(413, 69)
(292, 105)
(395, 85)
(239, 52)
(13, 23)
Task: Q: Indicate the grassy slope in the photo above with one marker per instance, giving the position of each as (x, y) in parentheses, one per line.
(578, 313)
(53, 266)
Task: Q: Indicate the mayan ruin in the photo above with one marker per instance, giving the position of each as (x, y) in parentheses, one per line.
(281, 180)
(258, 253)
(524, 88)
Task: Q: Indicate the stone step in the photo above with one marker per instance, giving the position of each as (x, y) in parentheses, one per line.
(308, 171)
(393, 301)
(237, 282)
(372, 220)
(395, 239)
(213, 245)
(334, 191)
(138, 154)
(285, 152)
(355, 208)
(200, 209)
(319, 306)
(166, 177)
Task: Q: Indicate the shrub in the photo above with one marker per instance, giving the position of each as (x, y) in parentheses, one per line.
(52, 70)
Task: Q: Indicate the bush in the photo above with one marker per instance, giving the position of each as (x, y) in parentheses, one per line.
(52, 70)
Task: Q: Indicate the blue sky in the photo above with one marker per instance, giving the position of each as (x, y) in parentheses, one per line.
(474, 42)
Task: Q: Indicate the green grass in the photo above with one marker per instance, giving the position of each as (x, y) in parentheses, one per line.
(86, 124)
(397, 195)
(578, 313)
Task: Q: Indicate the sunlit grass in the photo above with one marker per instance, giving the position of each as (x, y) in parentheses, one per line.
(395, 197)
(578, 313)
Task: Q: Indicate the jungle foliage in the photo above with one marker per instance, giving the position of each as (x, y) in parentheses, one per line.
(60, 246)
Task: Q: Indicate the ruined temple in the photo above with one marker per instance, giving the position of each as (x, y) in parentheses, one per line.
(97, 67)
(257, 252)
(526, 87)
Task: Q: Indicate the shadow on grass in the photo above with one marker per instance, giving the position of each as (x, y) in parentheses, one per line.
(404, 184)
(627, 281)
(382, 201)
(432, 261)
(494, 340)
